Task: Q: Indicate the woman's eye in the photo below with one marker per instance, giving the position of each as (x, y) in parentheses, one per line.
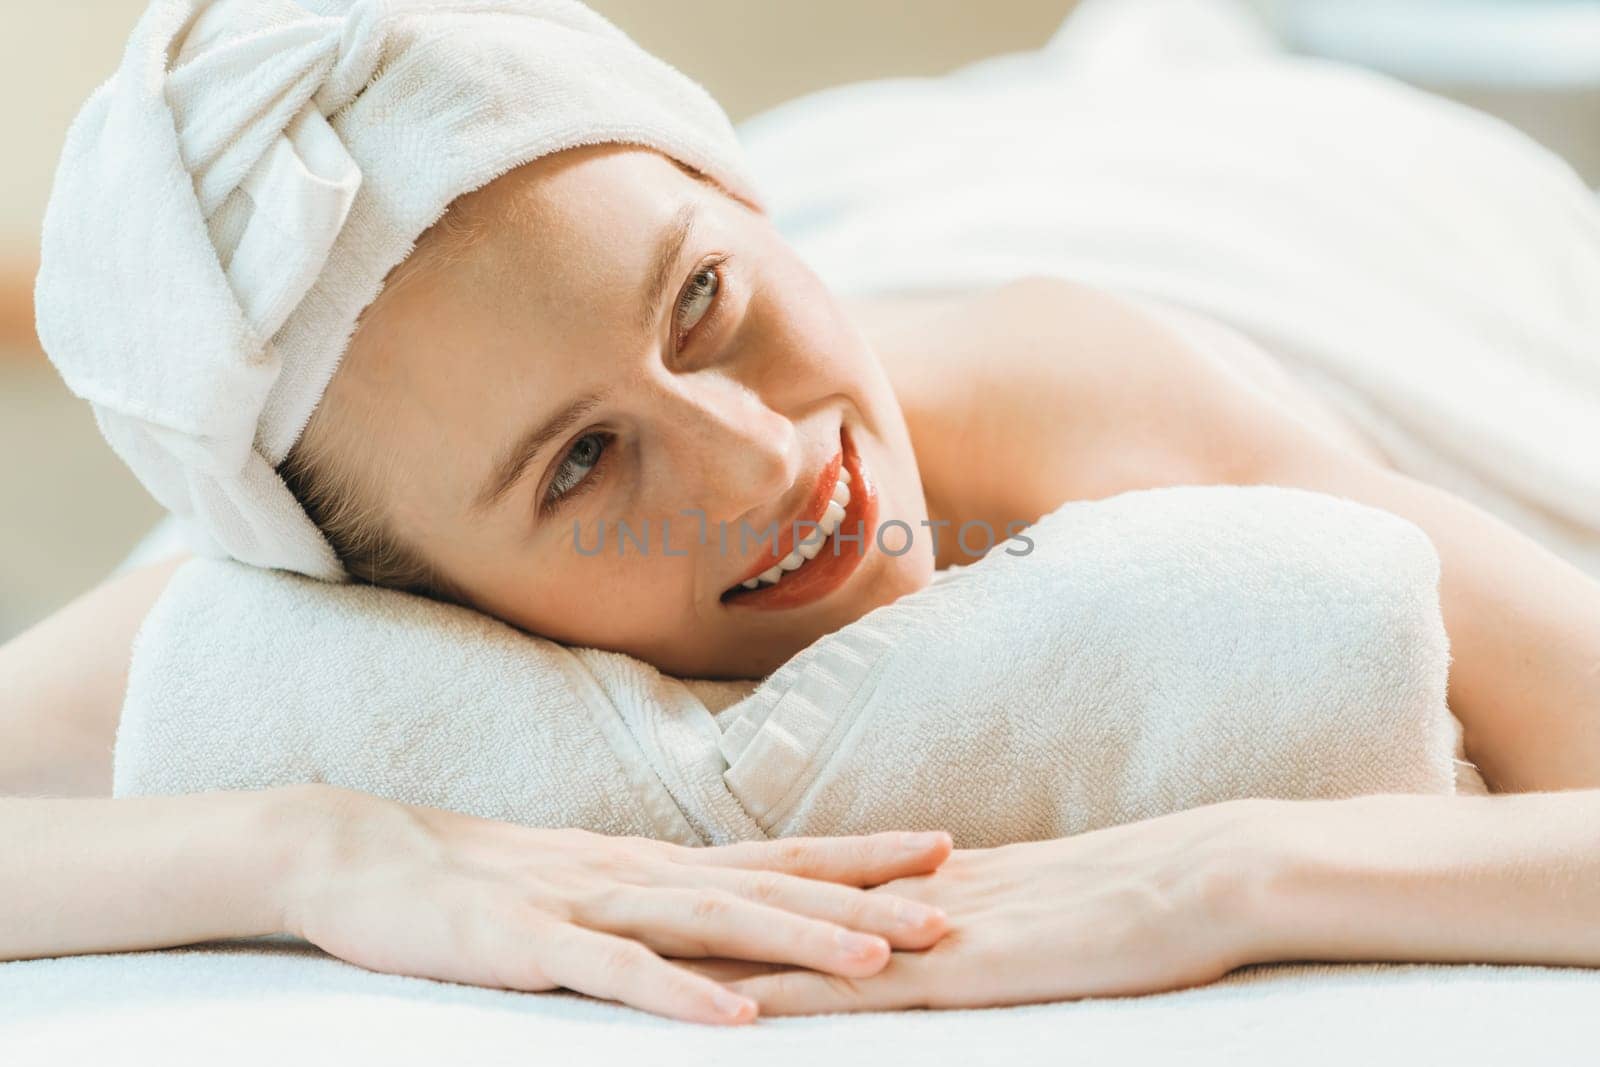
(698, 297)
(582, 458)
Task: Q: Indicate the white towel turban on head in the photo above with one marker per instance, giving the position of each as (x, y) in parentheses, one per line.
(228, 203)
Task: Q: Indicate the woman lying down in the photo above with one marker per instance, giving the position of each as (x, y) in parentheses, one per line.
(380, 314)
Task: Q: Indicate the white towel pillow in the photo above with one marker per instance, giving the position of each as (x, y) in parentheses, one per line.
(1155, 651)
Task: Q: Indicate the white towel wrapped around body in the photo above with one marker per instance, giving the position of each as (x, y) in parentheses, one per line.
(1151, 652)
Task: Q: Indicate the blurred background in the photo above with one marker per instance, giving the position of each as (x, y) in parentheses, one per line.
(69, 510)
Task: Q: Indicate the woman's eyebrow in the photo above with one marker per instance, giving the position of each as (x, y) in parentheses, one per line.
(667, 252)
(524, 450)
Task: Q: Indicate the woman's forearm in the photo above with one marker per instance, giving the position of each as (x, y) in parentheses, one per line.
(1496, 879)
(62, 685)
(1183, 899)
(92, 875)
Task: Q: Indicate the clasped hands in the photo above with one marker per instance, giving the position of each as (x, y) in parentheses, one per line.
(1139, 908)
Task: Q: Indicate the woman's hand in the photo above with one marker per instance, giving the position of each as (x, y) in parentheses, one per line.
(436, 894)
(1139, 908)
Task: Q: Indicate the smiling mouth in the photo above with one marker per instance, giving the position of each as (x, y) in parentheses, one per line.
(808, 563)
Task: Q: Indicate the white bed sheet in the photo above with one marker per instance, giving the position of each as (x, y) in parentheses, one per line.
(284, 1003)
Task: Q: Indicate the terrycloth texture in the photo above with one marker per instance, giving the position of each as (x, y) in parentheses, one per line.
(1152, 652)
(1427, 269)
(270, 1005)
(228, 203)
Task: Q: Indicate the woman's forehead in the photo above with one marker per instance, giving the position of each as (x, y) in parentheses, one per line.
(558, 234)
(537, 274)
(567, 193)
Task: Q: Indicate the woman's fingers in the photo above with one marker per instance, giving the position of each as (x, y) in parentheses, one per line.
(615, 968)
(904, 923)
(864, 860)
(897, 986)
(711, 922)
(727, 971)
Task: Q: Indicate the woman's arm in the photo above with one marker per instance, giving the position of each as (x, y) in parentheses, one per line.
(1182, 899)
(1499, 879)
(1162, 398)
(1524, 624)
(62, 684)
(436, 894)
(97, 875)
(394, 887)
(1187, 401)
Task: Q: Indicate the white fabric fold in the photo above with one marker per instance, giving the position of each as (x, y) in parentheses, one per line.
(1149, 653)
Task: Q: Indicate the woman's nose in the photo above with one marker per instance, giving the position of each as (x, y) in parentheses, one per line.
(737, 457)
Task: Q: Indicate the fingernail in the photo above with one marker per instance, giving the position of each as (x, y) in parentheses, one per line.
(857, 944)
(920, 842)
(910, 916)
(731, 1004)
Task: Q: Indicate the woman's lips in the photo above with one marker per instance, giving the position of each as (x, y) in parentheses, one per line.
(835, 562)
(816, 505)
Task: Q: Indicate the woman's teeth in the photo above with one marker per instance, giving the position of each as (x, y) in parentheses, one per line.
(811, 544)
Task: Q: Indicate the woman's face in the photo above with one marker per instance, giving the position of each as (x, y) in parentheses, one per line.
(622, 344)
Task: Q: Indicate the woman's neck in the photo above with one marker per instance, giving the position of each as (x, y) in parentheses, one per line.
(937, 409)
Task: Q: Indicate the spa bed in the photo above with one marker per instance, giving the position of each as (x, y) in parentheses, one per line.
(276, 1001)
(283, 1002)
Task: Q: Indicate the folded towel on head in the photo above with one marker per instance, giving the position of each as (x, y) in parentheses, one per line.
(232, 199)
(1133, 656)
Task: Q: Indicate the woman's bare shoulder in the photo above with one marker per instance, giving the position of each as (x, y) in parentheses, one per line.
(1082, 393)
